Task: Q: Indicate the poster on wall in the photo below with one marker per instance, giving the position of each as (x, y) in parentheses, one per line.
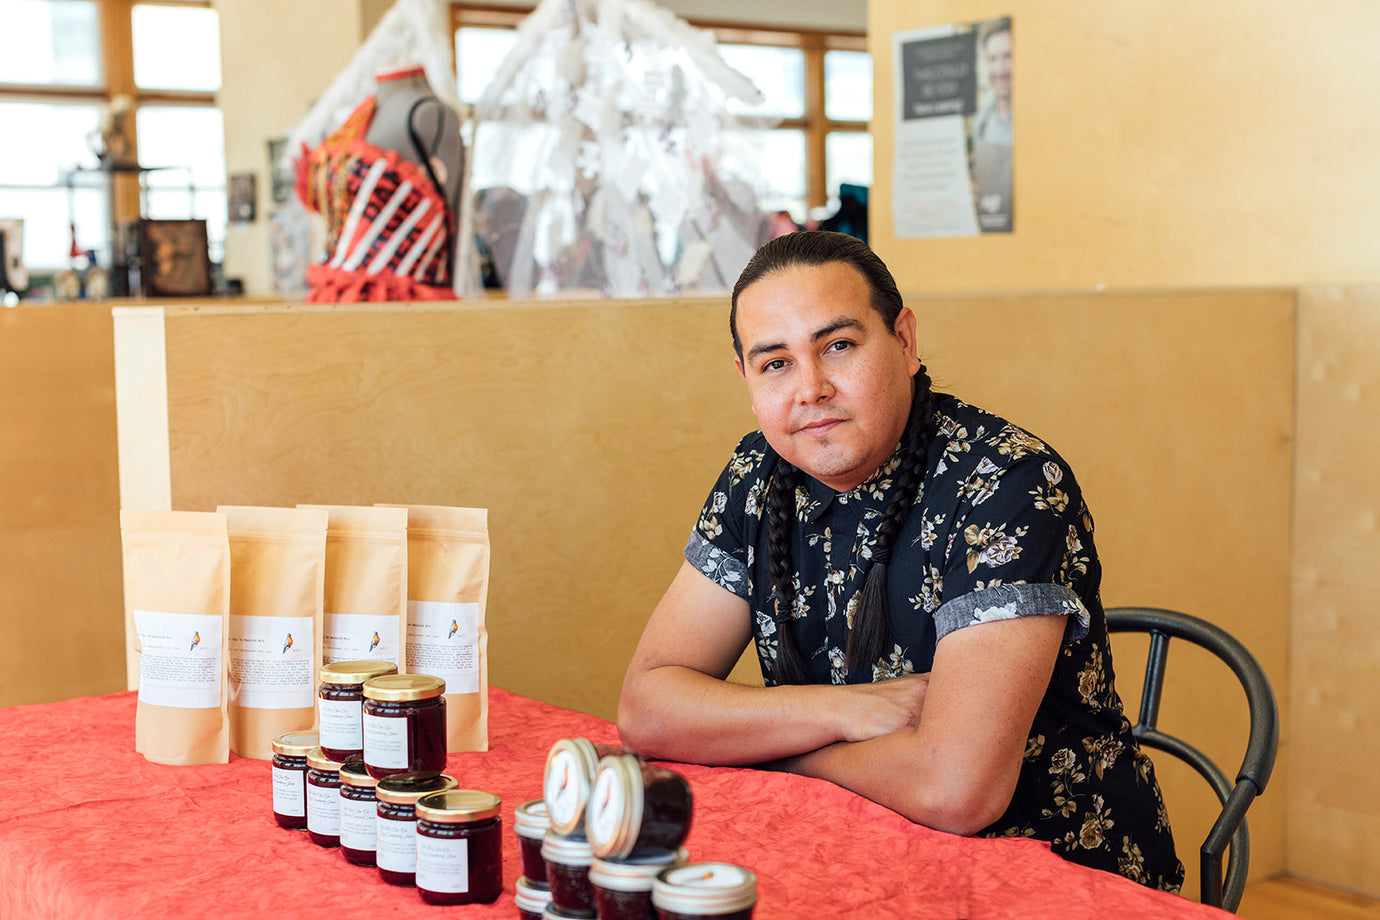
(951, 168)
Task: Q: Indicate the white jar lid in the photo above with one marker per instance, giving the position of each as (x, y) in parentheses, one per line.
(705, 889)
(566, 851)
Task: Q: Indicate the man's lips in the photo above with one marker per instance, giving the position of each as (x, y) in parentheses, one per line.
(819, 427)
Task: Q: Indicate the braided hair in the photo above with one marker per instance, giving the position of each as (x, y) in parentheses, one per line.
(871, 629)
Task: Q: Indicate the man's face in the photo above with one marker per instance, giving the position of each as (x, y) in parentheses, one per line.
(830, 383)
(997, 50)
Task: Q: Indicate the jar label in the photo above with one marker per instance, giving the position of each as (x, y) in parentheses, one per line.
(443, 865)
(341, 726)
(397, 843)
(443, 640)
(385, 741)
(179, 659)
(290, 792)
(323, 810)
(271, 662)
(359, 824)
(361, 636)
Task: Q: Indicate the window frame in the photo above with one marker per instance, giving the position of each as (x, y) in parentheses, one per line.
(813, 43)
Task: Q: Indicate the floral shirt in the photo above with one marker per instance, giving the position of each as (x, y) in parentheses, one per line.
(999, 530)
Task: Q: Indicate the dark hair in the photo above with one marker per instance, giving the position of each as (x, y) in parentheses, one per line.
(870, 634)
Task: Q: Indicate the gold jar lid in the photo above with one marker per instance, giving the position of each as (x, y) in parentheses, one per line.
(319, 761)
(355, 672)
(296, 744)
(354, 773)
(401, 688)
(458, 806)
(407, 788)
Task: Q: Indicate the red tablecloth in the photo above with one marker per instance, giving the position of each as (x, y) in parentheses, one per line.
(90, 830)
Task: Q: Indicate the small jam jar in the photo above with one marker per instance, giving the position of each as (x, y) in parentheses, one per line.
(567, 872)
(359, 807)
(323, 799)
(636, 806)
(531, 899)
(290, 777)
(404, 724)
(340, 702)
(396, 856)
(459, 847)
(696, 890)
(623, 888)
(570, 767)
(531, 822)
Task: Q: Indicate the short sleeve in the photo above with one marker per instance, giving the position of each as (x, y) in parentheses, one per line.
(1023, 546)
(719, 546)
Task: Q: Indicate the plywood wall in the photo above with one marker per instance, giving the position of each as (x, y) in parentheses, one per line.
(1165, 144)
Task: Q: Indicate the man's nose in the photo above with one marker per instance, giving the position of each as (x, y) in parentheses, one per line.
(813, 383)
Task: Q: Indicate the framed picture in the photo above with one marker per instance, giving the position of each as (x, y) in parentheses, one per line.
(173, 258)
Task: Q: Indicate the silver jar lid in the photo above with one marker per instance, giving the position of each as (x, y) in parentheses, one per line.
(531, 819)
(637, 872)
(705, 889)
(566, 851)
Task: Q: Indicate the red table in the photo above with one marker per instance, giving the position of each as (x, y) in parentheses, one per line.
(90, 830)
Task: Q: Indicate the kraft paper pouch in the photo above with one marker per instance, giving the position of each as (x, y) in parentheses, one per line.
(177, 606)
(277, 580)
(448, 587)
(366, 583)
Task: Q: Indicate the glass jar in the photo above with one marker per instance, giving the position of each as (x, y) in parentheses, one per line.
(696, 890)
(531, 899)
(290, 777)
(359, 834)
(570, 767)
(459, 847)
(323, 799)
(340, 704)
(623, 888)
(531, 822)
(567, 872)
(636, 805)
(396, 855)
(404, 724)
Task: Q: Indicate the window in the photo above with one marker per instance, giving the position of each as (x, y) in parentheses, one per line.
(819, 86)
(63, 65)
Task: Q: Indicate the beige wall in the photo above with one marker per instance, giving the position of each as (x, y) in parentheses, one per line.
(1178, 144)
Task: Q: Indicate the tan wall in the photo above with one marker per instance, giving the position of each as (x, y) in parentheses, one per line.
(1179, 144)
(60, 595)
(1334, 799)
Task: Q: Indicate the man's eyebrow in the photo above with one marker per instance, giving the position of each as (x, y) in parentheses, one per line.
(842, 322)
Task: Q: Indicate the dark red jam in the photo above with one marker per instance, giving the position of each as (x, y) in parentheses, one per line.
(323, 799)
(290, 777)
(623, 888)
(404, 725)
(459, 847)
(531, 823)
(340, 704)
(635, 805)
(396, 856)
(567, 872)
(358, 813)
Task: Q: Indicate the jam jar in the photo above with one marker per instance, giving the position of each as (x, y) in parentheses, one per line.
(359, 807)
(636, 805)
(340, 703)
(623, 888)
(567, 872)
(570, 767)
(531, 822)
(397, 822)
(290, 777)
(404, 724)
(695, 890)
(531, 899)
(459, 847)
(323, 799)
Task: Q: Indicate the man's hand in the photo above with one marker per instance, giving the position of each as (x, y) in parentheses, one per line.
(883, 707)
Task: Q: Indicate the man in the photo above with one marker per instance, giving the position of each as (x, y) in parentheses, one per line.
(919, 579)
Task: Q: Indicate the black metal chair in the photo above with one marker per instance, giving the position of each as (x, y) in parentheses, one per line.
(1260, 748)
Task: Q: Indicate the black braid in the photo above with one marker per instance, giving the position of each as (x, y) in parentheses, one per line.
(870, 637)
(790, 665)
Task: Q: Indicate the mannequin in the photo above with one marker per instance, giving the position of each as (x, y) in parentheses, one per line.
(388, 183)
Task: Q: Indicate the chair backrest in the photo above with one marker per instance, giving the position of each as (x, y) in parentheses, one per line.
(1261, 747)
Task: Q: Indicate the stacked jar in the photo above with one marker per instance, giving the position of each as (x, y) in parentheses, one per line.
(571, 765)
(404, 722)
(397, 822)
(340, 705)
(637, 820)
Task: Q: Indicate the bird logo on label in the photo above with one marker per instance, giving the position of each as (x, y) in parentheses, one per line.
(454, 628)
(288, 644)
(196, 639)
(374, 643)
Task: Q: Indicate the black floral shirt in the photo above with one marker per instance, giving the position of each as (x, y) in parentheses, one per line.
(999, 530)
